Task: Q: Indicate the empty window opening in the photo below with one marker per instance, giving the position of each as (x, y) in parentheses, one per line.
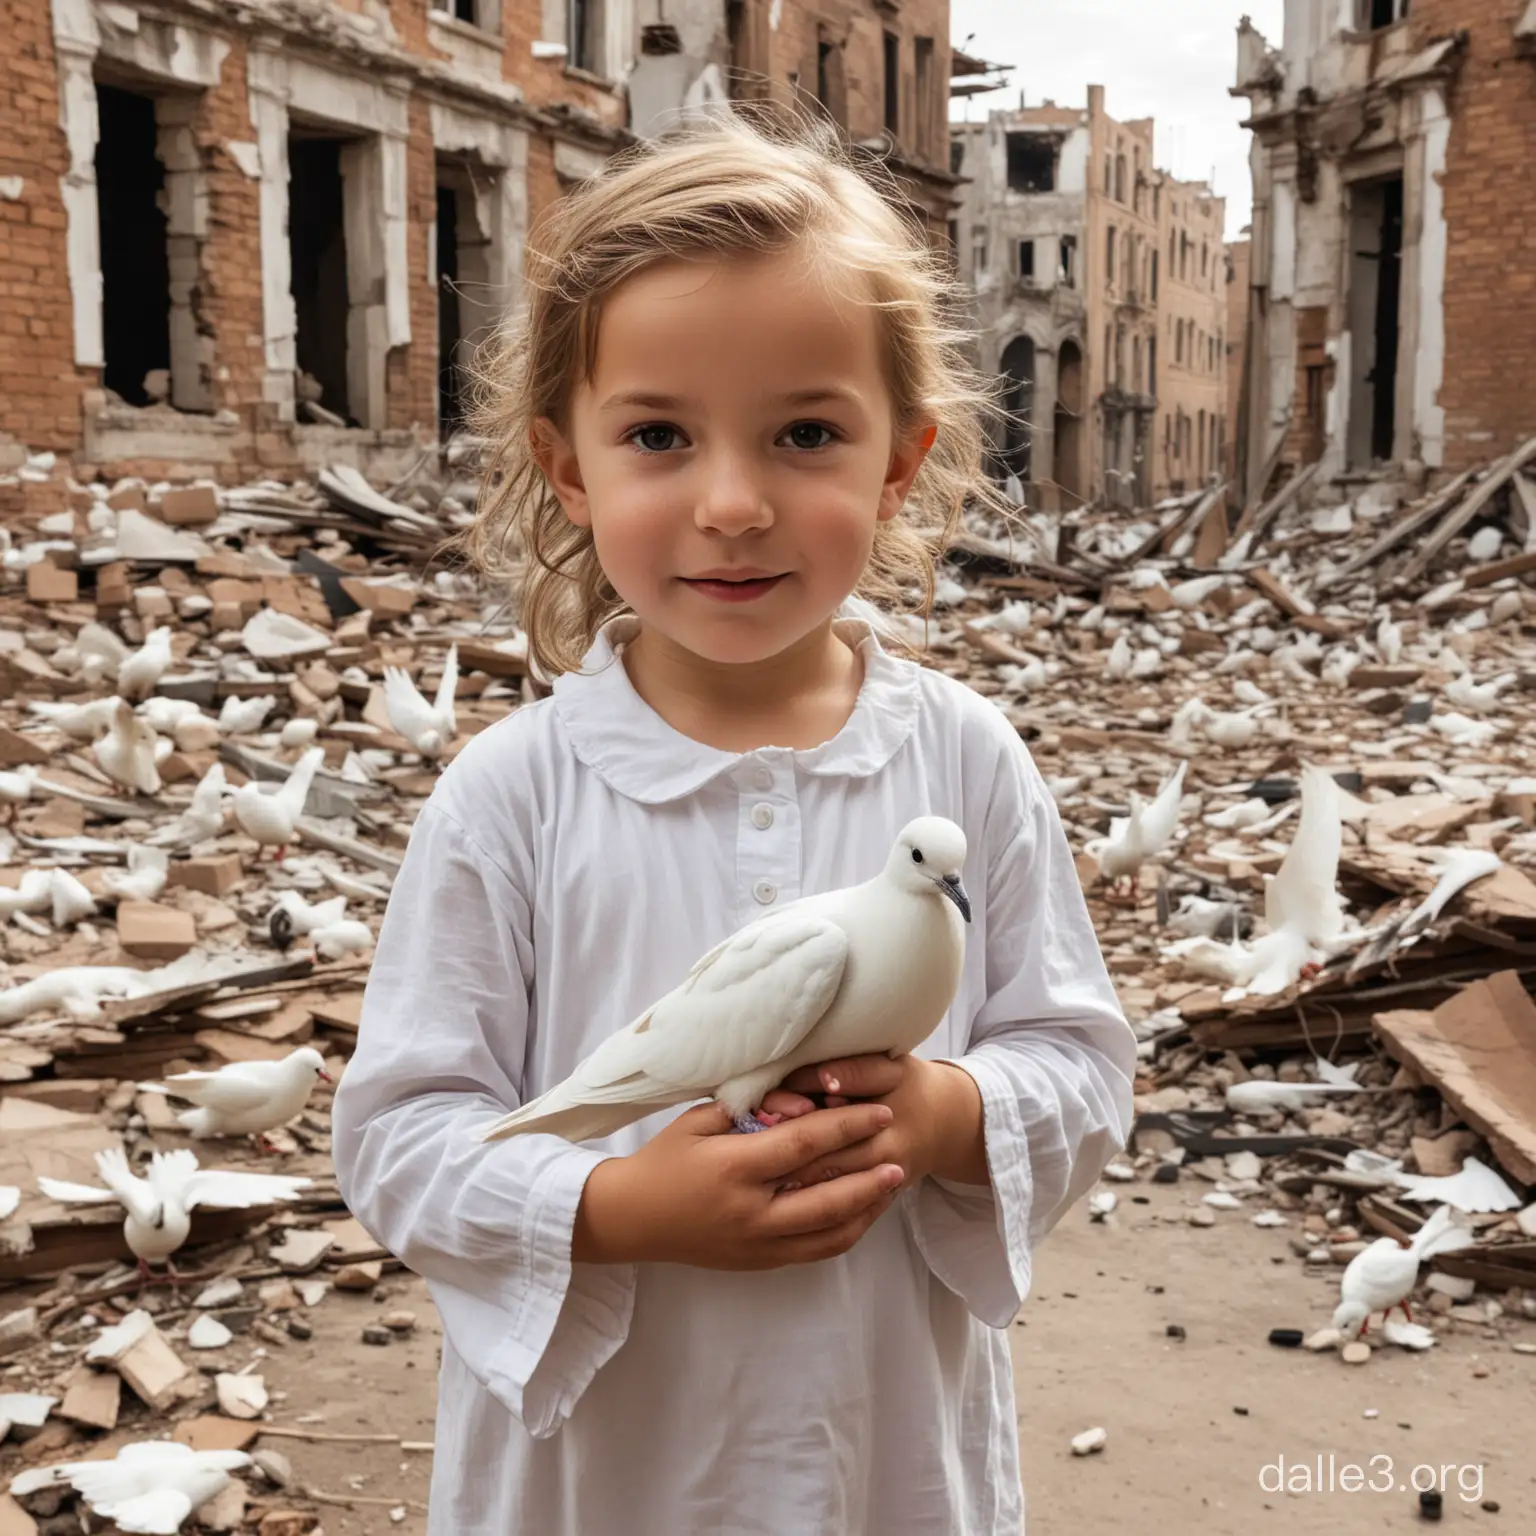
(1027, 260)
(956, 156)
(1383, 13)
(1109, 254)
(317, 238)
(1152, 365)
(1120, 184)
(1067, 420)
(450, 331)
(1031, 163)
(1069, 261)
(892, 82)
(1376, 246)
(831, 88)
(584, 35)
(135, 265)
(1153, 284)
(922, 73)
(1018, 365)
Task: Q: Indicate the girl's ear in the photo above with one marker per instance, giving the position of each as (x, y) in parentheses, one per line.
(906, 459)
(556, 457)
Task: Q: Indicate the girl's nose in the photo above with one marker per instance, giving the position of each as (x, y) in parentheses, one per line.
(731, 501)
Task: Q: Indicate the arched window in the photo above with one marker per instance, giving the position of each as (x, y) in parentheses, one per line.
(1018, 368)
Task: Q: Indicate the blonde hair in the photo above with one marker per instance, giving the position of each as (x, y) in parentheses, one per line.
(728, 185)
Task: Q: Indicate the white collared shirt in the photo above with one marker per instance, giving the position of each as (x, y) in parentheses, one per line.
(572, 864)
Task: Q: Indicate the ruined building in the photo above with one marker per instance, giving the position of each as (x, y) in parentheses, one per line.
(256, 237)
(1239, 266)
(1391, 322)
(1064, 234)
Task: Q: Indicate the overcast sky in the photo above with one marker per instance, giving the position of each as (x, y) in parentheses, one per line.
(1173, 60)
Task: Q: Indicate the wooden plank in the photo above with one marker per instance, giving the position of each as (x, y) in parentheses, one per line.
(1490, 485)
(1284, 497)
(1410, 523)
(1497, 570)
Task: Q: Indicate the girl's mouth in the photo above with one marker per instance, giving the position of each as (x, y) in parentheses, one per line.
(736, 591)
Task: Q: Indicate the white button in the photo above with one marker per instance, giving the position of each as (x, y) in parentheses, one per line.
(762, 779)
(765, 891)
(762, 815)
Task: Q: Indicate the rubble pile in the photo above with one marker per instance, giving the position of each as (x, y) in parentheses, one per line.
(1293, 757)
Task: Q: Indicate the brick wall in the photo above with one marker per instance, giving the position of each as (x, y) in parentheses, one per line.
(1490, 293)
(39, 383)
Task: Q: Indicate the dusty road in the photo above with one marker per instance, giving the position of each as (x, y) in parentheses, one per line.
(1091, 1348)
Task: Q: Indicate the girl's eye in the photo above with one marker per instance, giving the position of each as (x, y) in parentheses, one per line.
(809, 435)
(654, 437)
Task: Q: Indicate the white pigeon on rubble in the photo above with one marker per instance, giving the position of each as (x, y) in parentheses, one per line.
(1025, 679)
(140, 672)
(1462, 731)
(1199, 917)
(1478, 698)
(1144, 832)
(143, 879)
(1193, 712)
(85, 722)
(159, 1206)
(68, 899)
(300, 731)
(149, 1488)
(1295, 659)
(1383, 1275)
(1259, 1096)
(1236, 730)
(76, 990)
(430, 728)
(304, 916)
(344, 937)
(1246, 813)
(244, 717)
(1246, 692)
(1190, 594)
(1015, 617)
(16, 787)
(1147, 663)
(1117, 666)
(1389, 640)
(166, 716)
(99, 653)
(203, 819)
(127, 753)
(1339, 664)
(245, 1098)
(870, 967)
(272, 818)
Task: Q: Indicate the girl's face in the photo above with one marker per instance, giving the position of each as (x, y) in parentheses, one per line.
(733, 452)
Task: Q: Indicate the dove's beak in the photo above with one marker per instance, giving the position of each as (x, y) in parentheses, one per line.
(323, 1075)
(950, 885)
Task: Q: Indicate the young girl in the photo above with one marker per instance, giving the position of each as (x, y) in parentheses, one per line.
(733, 402)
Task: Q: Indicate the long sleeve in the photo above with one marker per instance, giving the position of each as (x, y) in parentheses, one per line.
(440, 1057)
(1049, 1049)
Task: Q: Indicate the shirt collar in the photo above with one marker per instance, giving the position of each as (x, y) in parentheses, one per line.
(633, 750)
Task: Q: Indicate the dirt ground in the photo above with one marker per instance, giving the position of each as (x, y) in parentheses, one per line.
(1091, 1348)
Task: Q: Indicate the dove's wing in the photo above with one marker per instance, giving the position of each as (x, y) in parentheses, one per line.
(66, 1193)
(1161, 818)
(409, 713)
(169, 1173)
(135, 1195)
(229, 1190)
(160, 1512)
(227, 1090)
(446, 692)
(1304, 890)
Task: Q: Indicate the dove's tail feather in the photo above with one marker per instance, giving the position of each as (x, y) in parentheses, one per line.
(1444, 1231)
(197, 1122)
(552, 1114)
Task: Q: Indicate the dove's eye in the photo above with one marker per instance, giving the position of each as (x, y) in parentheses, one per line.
(917, 855)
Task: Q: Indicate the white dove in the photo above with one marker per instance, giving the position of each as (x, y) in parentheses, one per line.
(1295, 659)
(346, 937)
(1117, 666)
(138, 674)
(1148, 663)
(149, 1488)
(1063, 787)
(244, 717)
(1199, 917)
(144, 877)
(1463, 731)
(1190, 594)
(304, 917)
(100, 652)
(1341, 662)
(245, 1098)
(298, 732)
(1015, 617)
(16, 788)
(159, 1205)
(1246, 813)
(1479, 698)
(430, 728)
(1250, 693)
(1191, 713)
(68, 898)
(77, 989)
(1383, 1276)
(203, 819)
(166, 715)
(85, 722)
(127, 752)
(1261, 1097)
(1389, 640)
(867, 968)
(271, 818)
(1235, 730)
(1137, 837)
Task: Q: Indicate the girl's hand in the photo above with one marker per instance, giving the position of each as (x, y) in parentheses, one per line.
(936, 1125)
(697, 1194)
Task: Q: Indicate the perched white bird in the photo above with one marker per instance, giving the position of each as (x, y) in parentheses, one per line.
(1383, 1276)
(430, 728)
(1015, 617)
(1199, 917)
(1190, 594)
(160, 1204)
(298, 732)
(68, 899)
(345, 937)
(271, 818)
(1389, 640)
(1295, 660)
(867, 968)
(1479, 698)
(140, 672)
(149, 1488)
(1463, 731)
(1234, 730)
(1246, 813)
(1147, 663)
(1026, 679)
(144, 877)
(304, 917)
(16, 787)
(1143, 833)
(1063, 788)
(245, 1098)
(1191, 713)
(76, 989)
(1249, 693)
(85, 722)
(244, 717)
(127, 752)
(1117, 666)
(1262, 1097)
(100, 652)
(1340, 662)
(203, 819)
(165, 716)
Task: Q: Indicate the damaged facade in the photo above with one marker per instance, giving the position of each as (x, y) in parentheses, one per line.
(1063, 235)
(1390, 318)
(257, 238)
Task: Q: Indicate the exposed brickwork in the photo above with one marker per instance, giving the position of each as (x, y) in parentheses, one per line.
(39, 383)
(1490, 292)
